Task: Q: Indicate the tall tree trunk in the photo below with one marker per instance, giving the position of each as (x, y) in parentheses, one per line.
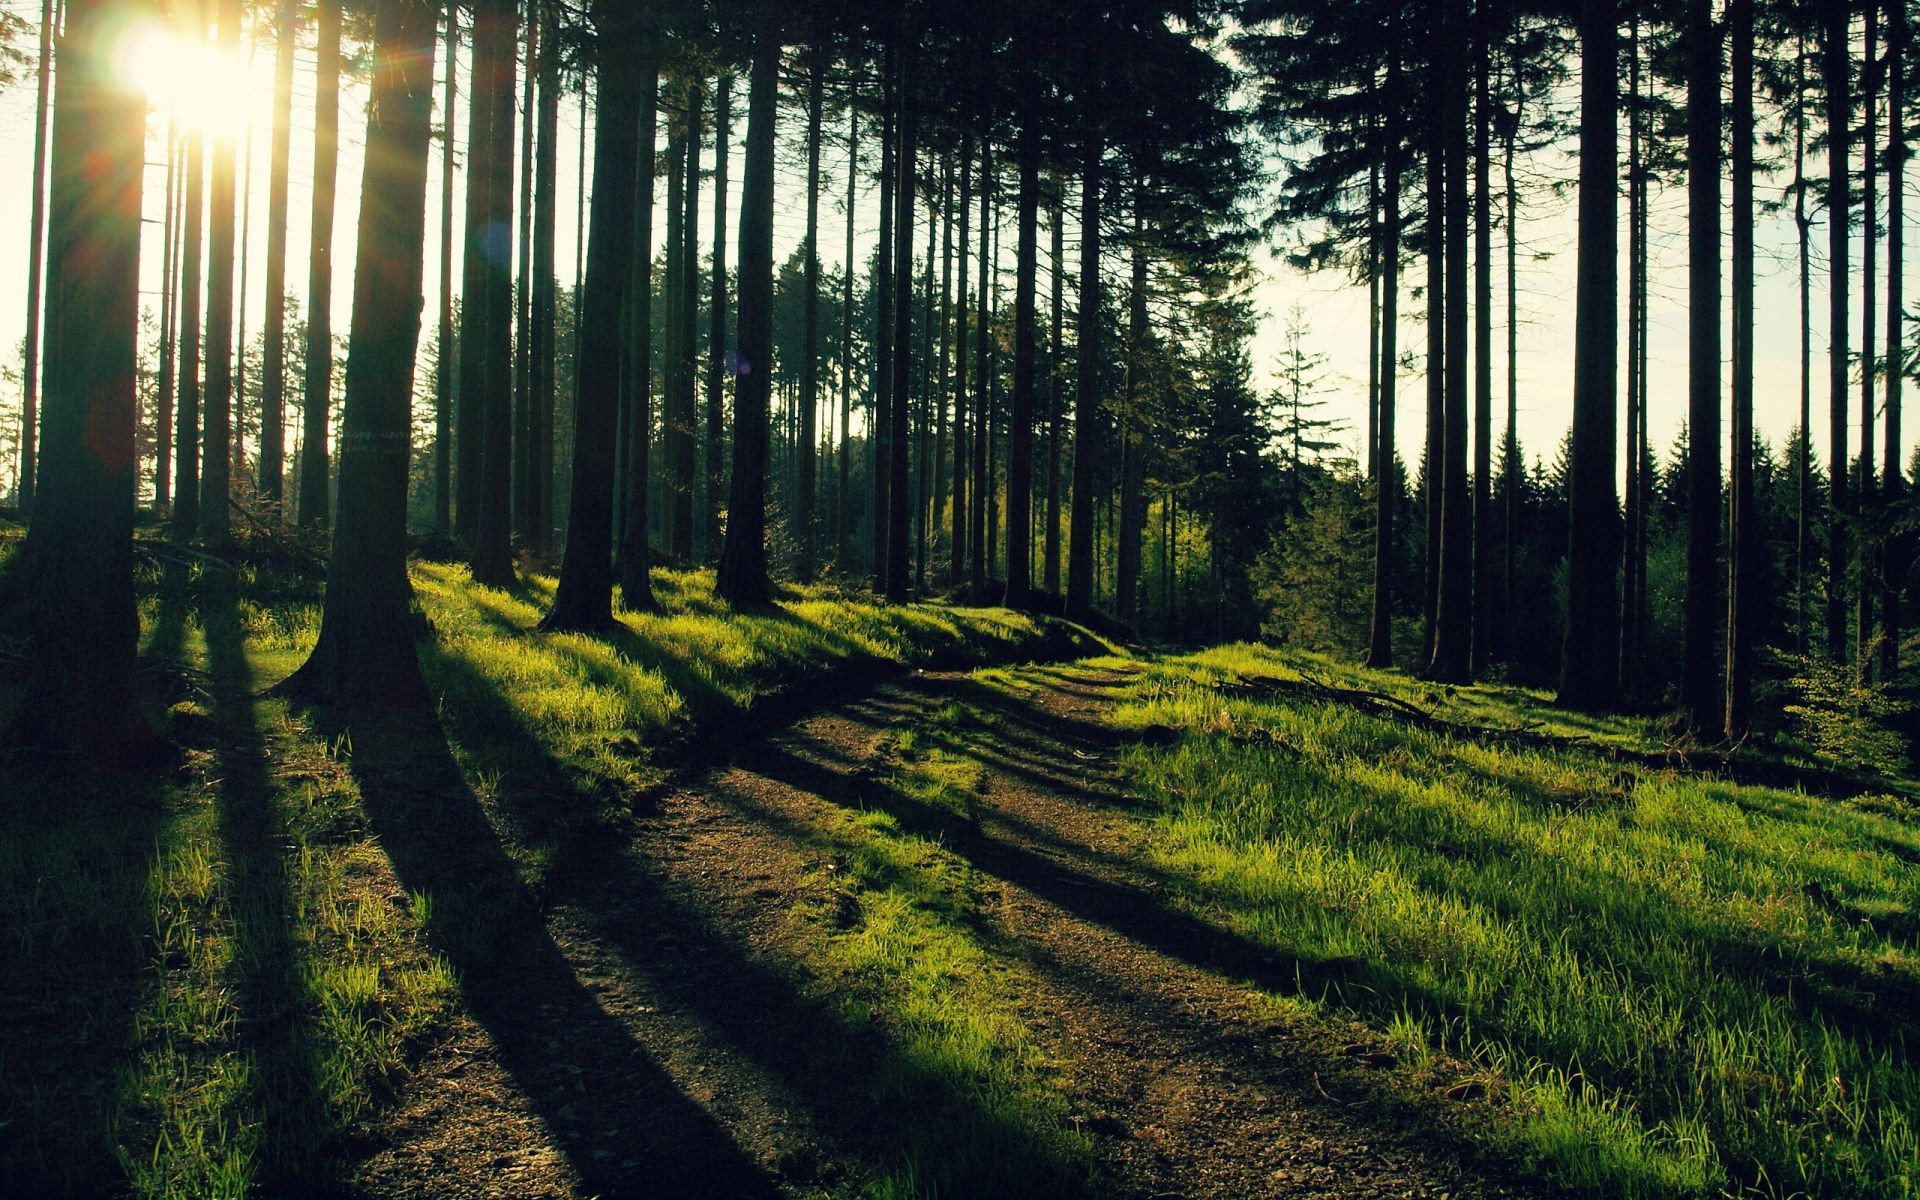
(1834, 70)
(1431, 474)
(545, 298)
(80, 694)
(317, 399)
(1803, 231)
(880, 431)
(683, 460)
(1132, 515)
(1056, 387)
(1634, 570)
(937, 386)
(1482, 356)
(743, 562)
(480, 241)
(982, 435)
(169, 311)
(364, 658)
(494, 64)
(583, 599)
(1515, 470)
(216, 448)
(36, 255)
(810, 321)
(1589, 674)
(961, 513)
(273, 388)
(899, 499)
(1386, 482)
(523, 476)
(1893, 477)
(186, 462)
(923, 488)
(1020, 426)
(1453, 633)
(443, 390)
(843, 485)
(717, 318)
(1087, 353)
(1701, 699)
(672, 294)
(1866, 566)
(636, 554)
(1742, 520)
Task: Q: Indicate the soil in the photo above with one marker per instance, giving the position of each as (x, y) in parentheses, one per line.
(653, 1033)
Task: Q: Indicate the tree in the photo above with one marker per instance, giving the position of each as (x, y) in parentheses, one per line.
(486, 333)
(743, 575)
(77, 561)
(1087, 356)
(1453, 624)
(216, 445)
(810, 353)
(273, 388)
(1020, 419)
(717, 372)
(1590, 666)
(1835, 83)
(1742, 519)
(583, 599)
(364, 658)
(317, 403)
(36, 255)
(186, 445)
(444, 388)
(1700, 697)
(636, 556)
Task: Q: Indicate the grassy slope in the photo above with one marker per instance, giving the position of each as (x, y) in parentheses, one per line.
(1677, 985)
(220, 970)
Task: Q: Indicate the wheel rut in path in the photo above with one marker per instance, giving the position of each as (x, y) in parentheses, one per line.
(682, 940)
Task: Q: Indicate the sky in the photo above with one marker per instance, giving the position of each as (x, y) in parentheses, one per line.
(1336, 308)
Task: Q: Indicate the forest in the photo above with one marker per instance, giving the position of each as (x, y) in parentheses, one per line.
(1088, 598)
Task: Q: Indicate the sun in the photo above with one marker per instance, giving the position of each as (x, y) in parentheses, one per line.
(208, 89)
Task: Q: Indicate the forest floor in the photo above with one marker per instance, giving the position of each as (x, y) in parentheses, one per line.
(683, 1024)
(818, 900)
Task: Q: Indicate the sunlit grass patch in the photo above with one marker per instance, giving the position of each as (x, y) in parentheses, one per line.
(1682, 985)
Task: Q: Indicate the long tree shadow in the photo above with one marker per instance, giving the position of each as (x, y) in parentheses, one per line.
(277, 1007)
(577, 1066)
(864, 1094)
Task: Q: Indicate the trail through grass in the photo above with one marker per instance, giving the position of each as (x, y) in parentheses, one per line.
(1680, 985)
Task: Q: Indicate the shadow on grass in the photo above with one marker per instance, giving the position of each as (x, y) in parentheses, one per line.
(275, 1001)
(577, 1066)
(864, 1094)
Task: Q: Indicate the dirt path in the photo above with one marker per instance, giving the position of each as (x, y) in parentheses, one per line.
(658, 1038)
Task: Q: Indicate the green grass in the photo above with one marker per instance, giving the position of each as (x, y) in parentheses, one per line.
(218, 970)
(1677, 985)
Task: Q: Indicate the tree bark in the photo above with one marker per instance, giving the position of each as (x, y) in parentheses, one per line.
(1635, 568)
(83, 627)
(843, 485)
(1087, 353)
(1701, 698)
(583, 598)
(743, 562)
(636, 553)
(36, 255)
(545, 298)
(443, 400)
(1386, 481)
(1590, 668)
(1132, 515)
(317, 401)
(216, 447)
(494, 64)
(364, 658)
(982, 433)
(717, 318)
(1020, 421)
(273, 387)
(186, 461)
(962, 523)
(523, 479)
(899, 499)
(1893, 472)
(681, 447)
(1834, 70)
(810, 332)
(169, 314)
(1453, 618)
(1483, 608)
(1056, 391)
(1867, 551)
(1742, 519)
